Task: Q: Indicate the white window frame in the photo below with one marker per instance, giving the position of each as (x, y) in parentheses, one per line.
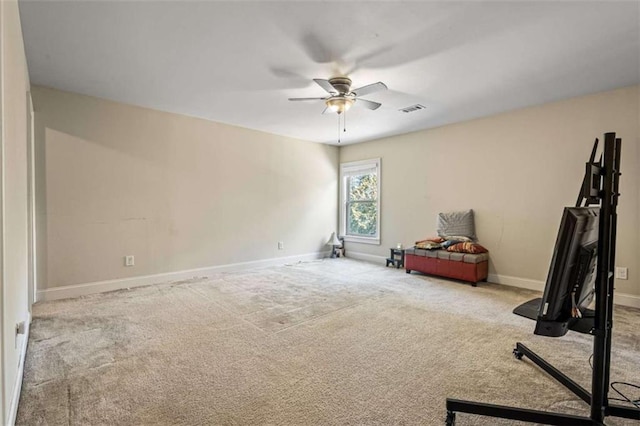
(348, 169)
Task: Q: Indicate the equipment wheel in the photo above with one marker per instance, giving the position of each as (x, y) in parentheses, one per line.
(517, 353)
(451, 418)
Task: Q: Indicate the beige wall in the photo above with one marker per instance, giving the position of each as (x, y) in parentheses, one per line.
(517, 171)
(13, 191)
(176, 192)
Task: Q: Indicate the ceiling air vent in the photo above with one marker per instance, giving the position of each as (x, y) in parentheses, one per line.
(412, 108)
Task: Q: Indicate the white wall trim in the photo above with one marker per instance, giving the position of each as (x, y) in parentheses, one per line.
(622, 299)
(119, 284)
(372, 258)
(347, 169)
(625, 299)
(31, 204)
(516, 282)
(17, 386)
(76, 290)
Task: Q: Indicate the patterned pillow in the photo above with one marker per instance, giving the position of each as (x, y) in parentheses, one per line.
(467, 247)
(428, 245)
(431, 240)
(449, 243)
(458, 238)
(456, 223)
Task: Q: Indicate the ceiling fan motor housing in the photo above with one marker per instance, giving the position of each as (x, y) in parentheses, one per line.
(341, 84)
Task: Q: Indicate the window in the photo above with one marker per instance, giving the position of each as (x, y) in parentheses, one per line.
(360, 196)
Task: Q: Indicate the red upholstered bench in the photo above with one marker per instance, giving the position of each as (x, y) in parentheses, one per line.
(460, 266)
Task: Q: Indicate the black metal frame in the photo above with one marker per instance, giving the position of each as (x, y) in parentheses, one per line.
(603, 322)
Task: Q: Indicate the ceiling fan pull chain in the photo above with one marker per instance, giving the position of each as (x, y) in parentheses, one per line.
(345, 120)
(338, 128)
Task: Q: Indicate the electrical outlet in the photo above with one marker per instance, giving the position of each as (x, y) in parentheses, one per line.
(280, 245)
(129, 260)
(20, 329)
(621, 272)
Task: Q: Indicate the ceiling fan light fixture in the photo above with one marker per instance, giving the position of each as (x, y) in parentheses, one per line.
(341, 97)
(339, 104)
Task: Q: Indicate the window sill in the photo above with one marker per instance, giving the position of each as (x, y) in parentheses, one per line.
(363, 240)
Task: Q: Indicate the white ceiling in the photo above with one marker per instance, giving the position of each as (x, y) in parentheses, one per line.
(238, 62)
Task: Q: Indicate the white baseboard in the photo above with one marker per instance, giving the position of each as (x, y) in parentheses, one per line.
(627, 300)
(372, 258)
(516, 282)
(622, 299)
(17, 386)
(76, 290)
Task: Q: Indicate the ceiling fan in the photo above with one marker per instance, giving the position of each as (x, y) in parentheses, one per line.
(341, 97)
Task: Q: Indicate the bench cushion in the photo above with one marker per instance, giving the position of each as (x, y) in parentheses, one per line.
(443, 254)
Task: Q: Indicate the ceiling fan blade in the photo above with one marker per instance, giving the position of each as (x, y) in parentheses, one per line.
(325, 85)
(369, 88)
(368, 104)
(306, 99)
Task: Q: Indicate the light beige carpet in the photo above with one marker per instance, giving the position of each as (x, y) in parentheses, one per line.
(332, 342)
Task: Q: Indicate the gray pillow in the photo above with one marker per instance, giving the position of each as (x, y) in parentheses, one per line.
(456, 223)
